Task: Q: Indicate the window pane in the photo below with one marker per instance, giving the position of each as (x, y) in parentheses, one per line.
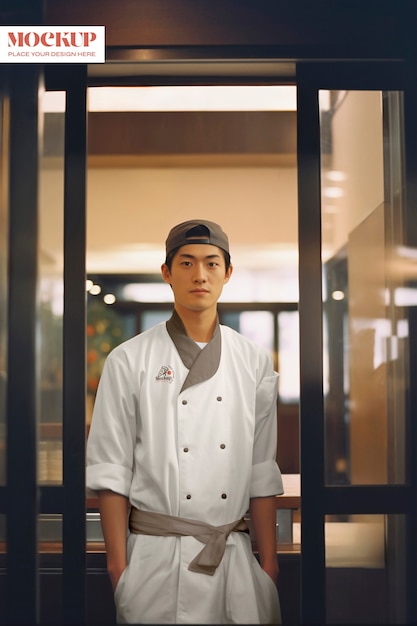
(106, 329)
(366, 268)
(151, 318)
(51, 220)
(289, 365)
(258, 326)
(365, 564)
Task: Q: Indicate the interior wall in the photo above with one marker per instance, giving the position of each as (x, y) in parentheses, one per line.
(132, 209)
(358, 225)
(357, 153)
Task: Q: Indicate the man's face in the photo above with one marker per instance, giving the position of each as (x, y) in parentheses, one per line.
(197, 276)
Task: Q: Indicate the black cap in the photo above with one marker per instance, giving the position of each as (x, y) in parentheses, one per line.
(196, 231)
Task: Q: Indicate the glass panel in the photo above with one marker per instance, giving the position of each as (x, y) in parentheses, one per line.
(106, 329)
(365, 557)
(50, 579)
(258, 326)
(364, 267)
(151, 318)
(51, 193)
(4, 112)
(50, 532)
(289, 362)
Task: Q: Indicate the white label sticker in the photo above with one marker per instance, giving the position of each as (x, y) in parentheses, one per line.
(52, 44)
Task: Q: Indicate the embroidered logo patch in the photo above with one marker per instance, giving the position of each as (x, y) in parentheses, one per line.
(165, 374)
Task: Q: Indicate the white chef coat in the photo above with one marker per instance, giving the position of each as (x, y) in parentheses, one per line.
(199, 452)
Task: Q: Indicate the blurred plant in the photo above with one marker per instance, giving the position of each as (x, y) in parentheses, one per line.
(105, 330)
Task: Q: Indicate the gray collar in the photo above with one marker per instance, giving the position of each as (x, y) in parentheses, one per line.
(202, 363)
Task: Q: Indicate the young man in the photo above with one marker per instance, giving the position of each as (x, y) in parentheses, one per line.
(182, 444)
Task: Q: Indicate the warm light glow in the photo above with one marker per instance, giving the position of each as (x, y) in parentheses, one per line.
(333, 192)
(335, 176)
(147, 292)
(187, 98)
(109, 298)
(95, 290)
(184, 98)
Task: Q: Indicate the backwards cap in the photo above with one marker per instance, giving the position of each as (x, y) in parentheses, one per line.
(196, 231)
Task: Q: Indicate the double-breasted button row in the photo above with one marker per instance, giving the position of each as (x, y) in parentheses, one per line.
(184, 402)
(223, 496)
(222, 447)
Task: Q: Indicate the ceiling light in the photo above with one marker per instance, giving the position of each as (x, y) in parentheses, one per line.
(184, 98)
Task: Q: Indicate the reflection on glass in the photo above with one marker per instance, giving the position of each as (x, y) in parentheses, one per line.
(289, 362)
(51, 186)
(364, 559)
(50, 542)
(364, 319)
(3, 286)
(355, 541)
(106, 329)
(50, 531)
(258, 326)
(151, 318)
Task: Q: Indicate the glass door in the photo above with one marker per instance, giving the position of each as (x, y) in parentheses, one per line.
(42, 338)
(63, 306)
(357, 275)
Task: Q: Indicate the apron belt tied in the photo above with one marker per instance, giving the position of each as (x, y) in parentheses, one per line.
(206, 561)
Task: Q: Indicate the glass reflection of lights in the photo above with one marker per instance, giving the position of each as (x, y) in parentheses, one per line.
(109, 298)
(95, 290)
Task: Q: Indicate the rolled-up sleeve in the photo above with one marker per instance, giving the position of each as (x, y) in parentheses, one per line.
(266, 477)
(111, 440)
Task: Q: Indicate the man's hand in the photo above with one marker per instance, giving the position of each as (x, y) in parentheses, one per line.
(263, 517)
(113, 513)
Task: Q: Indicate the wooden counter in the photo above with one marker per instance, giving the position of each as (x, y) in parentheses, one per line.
(291, 498)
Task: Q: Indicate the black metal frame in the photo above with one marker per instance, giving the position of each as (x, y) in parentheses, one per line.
(22, 494)
(318, 499)
(25, 499)
(74, 354)
(22, 401)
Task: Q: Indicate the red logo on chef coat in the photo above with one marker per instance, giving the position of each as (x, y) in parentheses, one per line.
(165, 374)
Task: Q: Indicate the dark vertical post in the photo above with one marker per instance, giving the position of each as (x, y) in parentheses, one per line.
(410, 240)
(313, 604)
(22, 395)
(74, 524)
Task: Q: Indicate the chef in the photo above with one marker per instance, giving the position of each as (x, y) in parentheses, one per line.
(182, 445)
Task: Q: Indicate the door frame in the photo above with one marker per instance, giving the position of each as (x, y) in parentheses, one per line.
(146, 32)
(319, 499)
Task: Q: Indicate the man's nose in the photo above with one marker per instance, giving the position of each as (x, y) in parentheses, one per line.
(200, 275)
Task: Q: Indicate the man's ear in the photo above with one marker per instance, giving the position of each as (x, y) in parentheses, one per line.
(228, 273)
(166, 274)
